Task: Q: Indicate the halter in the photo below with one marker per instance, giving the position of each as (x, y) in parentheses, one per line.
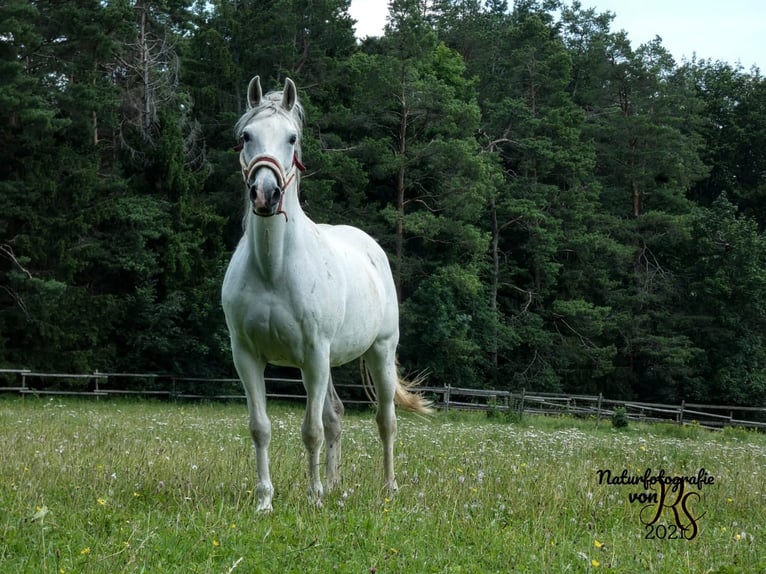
(284, 179)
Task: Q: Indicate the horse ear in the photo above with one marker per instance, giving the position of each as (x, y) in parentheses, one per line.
(254, 92)
(289, 95)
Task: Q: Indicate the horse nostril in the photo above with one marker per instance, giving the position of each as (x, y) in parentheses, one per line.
(253, 192)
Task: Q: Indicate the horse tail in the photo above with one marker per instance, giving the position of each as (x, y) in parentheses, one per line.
(404, 396)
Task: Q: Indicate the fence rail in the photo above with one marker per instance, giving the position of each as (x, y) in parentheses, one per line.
(516, 403)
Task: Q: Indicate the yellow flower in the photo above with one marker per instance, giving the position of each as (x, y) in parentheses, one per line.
(597, 544)
(101, 501)
(136, 494)
(595, 563)
(216, 543)
(85, 550)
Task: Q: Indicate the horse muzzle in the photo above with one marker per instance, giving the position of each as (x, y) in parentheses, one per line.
(266, 198)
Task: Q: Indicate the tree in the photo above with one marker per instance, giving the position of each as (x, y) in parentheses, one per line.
(726, 297)
(412, 116)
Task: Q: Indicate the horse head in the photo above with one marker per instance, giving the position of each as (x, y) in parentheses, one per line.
(270, 133)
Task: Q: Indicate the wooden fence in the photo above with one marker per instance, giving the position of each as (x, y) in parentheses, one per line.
(513, 404)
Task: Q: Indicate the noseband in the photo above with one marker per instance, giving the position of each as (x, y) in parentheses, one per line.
(284, 178)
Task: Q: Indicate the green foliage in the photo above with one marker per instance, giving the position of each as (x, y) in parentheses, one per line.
(619, 418)
(563, 209)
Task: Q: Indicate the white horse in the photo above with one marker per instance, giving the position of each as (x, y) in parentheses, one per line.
(306, 295)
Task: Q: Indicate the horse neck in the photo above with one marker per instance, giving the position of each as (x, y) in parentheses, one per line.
(270, 238)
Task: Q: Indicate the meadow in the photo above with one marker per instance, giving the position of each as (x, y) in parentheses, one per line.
(119, 486)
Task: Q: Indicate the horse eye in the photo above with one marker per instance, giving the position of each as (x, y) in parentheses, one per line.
(293, 139)
(246, 136)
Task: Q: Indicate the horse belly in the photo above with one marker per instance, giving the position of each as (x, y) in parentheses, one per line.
(363, 321)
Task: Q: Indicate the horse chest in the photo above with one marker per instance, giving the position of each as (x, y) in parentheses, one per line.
(281, 325)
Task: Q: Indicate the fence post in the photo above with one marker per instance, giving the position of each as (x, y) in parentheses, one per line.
(598, 408)
(681, 414)
(521, 404)
(446, 398)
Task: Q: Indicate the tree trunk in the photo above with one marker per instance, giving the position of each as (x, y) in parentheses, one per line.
(400, 195)
(636, 198)
(495, 246)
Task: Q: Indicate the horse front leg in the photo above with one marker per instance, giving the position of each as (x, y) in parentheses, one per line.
(315, 380)
(332, 418)
(251, 374)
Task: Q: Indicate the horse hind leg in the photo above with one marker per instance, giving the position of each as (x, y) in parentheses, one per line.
(332, 416)
(381, 362)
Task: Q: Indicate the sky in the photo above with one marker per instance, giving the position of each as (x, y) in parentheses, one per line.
(733, 31)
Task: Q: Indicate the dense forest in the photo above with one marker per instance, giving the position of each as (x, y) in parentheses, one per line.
(562, 210)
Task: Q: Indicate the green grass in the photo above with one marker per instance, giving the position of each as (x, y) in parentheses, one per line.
(120, 486)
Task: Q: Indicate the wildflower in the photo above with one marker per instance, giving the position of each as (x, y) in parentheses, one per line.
(136, 494)
(216, 543)
(595, 563)
(85, 551)
(101, 501)
(597, 544)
